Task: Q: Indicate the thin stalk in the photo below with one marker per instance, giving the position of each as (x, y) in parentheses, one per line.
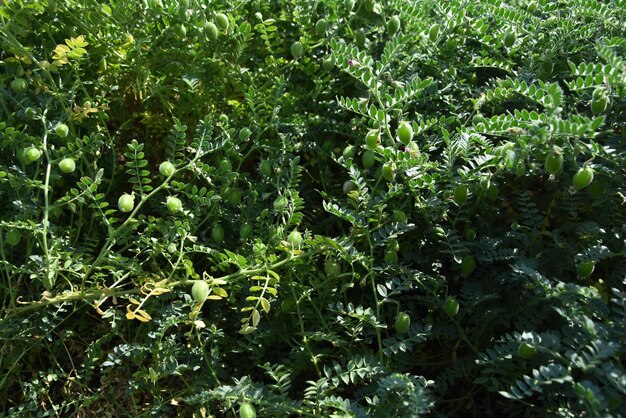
(10, 287)
(378, 303)
(305, 340)
(48, 283)
(464, 336)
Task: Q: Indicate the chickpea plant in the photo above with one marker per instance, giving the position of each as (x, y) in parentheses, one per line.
(362, 208)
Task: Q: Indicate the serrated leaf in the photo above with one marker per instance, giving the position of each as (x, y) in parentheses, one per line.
(256, 318)
(265, 304)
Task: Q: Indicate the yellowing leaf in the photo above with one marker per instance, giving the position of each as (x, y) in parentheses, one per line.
(61, 50)
(142, 315)
(25, 59)
(130, 315)
(61, 61)
(100, 311)
(265, 304)
(77, 42)
(246, 329)
(214, 297)
(74, 50)
(159, 291)
(77, 53)
(160, 283)
(256, 318)
(79, 113)
(134, 301)
(273, 273)
(221, 292)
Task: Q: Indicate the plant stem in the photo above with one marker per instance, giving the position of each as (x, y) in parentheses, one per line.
(48, 283)
(464, 336)
(377, 302)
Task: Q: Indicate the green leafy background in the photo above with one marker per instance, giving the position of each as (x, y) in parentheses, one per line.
(309, 253)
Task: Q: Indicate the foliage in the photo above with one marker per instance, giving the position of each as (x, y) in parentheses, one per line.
(97, 315)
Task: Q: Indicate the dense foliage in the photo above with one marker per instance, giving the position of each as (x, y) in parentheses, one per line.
(324, 208)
